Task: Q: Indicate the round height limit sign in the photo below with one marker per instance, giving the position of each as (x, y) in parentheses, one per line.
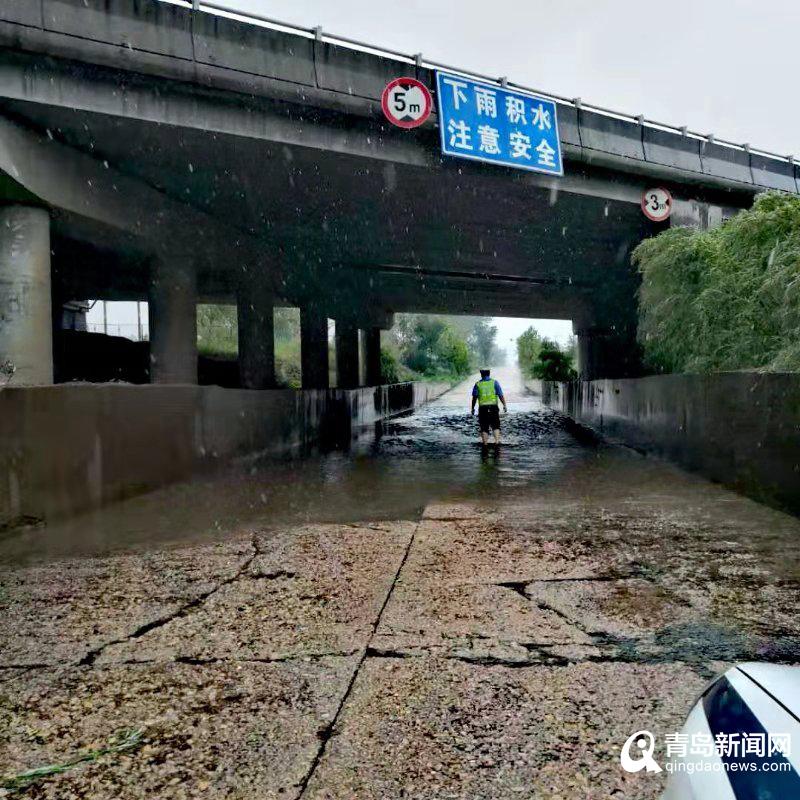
(657, 204)
(406, 102)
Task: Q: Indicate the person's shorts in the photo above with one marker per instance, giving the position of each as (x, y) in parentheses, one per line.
(489, 418)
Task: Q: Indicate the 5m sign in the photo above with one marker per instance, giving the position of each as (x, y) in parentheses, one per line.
(406, 102)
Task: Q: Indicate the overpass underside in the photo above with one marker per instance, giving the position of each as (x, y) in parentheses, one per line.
(122, 185)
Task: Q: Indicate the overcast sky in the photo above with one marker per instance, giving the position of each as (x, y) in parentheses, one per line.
(726, 66)
(730, 67)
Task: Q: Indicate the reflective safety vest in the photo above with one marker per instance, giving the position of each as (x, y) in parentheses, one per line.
(487, 395)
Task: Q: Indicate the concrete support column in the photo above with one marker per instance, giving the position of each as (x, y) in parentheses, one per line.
(372, 354)
(26, 321)
(347, 376)
(172, 311)
(313, 348)
(255, 306)
(607, 353)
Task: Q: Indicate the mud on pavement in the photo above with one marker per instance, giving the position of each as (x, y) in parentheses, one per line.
(486, 651)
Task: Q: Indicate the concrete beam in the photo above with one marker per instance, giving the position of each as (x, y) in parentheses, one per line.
(251, 62)
(695, 214)
(75, 182)
(448, 293)
(83, 88)
(109, 92)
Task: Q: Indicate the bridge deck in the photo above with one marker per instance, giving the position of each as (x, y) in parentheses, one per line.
(168, 40)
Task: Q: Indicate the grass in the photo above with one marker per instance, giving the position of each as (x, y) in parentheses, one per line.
(725, 299)
(121, 742)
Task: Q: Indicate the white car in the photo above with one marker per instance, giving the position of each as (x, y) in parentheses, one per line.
(741, 740)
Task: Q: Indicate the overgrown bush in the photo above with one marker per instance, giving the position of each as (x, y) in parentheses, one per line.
(544, 359)
(287, 363)
(553, 363)
(725, 299)
(390, 369)
(432, 347)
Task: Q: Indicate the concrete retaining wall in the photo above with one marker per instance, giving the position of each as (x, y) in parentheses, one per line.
(534, 386)
(69, 448)
(741, 429)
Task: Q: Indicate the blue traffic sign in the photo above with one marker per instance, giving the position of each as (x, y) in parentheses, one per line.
(485, 122)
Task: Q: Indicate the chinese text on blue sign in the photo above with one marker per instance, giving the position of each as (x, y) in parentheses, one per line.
(487, 123)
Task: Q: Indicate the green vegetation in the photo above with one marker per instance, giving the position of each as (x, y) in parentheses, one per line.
(121, 742)
(390, 369)
(529, 345)
(432, 347)
(544, 359)
(482, 343)
(420, 346)
(554, 364)
(724, 299)
(287, 347)
(217, 331)
(218, 337)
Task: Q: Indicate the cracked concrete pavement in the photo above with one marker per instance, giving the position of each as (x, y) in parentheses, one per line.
(485, 651)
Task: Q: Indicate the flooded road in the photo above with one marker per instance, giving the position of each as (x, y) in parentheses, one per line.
(498, 623)
(431, 454)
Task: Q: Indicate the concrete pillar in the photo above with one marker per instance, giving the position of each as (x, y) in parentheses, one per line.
(26, 321)
(607, 353)
(347, 363)
(172, 312)
(372, 354)
(255, 305)
(313, 348)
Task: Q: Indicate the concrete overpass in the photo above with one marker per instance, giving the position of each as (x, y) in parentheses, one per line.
(154, 151)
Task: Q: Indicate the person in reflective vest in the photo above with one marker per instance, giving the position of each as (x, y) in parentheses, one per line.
(486, 393)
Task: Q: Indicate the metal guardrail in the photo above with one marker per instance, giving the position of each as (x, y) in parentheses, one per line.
(418, 60)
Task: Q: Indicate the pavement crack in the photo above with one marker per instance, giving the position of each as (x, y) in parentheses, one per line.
(541, 604)
(497, 661)
(92, 655)
(280, 659)
(327, 732)
(584, 579)
(384, 652)
(271, 576)
(515, 586)
(520, 586)
(21, 669)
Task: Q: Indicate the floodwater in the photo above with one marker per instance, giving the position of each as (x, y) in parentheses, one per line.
(390, 473)
(433, 454)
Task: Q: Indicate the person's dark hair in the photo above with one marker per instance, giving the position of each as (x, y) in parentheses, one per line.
(485, 373)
